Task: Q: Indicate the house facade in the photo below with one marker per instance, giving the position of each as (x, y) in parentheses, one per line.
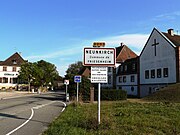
(127, 76)
(122, 54)
(9, 71)
(159, 61)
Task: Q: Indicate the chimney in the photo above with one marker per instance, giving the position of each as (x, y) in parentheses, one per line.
(171, 32)
(122, 43)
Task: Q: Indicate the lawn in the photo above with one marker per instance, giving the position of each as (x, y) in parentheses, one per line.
(118, 118)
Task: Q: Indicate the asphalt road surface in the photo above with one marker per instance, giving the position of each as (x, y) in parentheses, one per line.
(30, 115)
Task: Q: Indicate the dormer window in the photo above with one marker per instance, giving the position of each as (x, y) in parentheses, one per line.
(14, 62)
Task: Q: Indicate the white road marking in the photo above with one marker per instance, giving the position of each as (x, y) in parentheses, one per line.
(32, 113)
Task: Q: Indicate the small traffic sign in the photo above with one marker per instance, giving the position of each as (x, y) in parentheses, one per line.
(77, 79)
(66, 82)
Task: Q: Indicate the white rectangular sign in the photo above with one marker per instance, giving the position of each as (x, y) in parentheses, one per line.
(99, 57)
(99, 75)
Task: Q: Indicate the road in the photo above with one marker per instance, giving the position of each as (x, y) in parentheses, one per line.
(30, 115)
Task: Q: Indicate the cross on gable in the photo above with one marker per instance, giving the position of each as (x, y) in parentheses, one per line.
(155, 44)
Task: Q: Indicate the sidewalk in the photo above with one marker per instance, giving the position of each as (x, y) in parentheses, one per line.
(13, 94)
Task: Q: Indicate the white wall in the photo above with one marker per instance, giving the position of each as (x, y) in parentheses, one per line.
(128, 80)
(128, 84)
(165, 58)
(8, 74)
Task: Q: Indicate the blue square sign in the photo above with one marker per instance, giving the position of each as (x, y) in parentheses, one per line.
(77, 79)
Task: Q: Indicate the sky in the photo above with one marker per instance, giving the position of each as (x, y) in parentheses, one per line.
(57, 30)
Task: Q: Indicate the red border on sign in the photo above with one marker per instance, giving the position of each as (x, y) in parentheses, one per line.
(100, 64)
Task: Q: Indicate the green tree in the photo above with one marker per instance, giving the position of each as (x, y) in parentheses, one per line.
(39, 73)
(47, 73)
(72, 71)
(26, 73)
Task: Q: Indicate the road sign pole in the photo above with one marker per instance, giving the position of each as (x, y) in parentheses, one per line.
(66, 93)
(99, 100)
(77, 90)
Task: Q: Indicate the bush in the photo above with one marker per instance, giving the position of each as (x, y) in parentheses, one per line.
(111, 95)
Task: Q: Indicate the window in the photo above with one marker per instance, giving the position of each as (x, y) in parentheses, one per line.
(4, 68)
(15, 80)
(14, 62)
(121, 68)
(109, 69)
(120, 79)
(132, 88)
(124, 78)
(109, 79)
(5, 80)
(133, 66)
(147, 74)
(132, 78)
(159, 73)
(165, 72)
(153, 73)
(150, 90)
(125, 67)
(14, 69)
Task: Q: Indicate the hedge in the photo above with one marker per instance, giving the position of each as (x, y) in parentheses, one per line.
(111, 95)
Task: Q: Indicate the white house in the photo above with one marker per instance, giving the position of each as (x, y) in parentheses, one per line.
(9, 71)
(122, 53)
(127, 77)
(159, 61)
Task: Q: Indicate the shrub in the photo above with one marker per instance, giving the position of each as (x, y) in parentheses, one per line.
(111, 95)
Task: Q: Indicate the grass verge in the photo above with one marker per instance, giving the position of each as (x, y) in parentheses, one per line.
(118, 118)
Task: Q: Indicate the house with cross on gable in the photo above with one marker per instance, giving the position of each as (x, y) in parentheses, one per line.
(159, 63)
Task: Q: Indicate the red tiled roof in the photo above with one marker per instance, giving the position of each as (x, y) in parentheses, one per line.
(174, 39)
(13, 60)
(123, 53)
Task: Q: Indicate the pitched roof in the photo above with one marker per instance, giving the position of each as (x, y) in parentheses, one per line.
(13, 60)
(85, 71)
(175, 39)
(123, 53)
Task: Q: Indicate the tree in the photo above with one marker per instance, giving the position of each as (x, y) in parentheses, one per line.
(73, 70)
(39, 73)
(26, 73)
(47, 72)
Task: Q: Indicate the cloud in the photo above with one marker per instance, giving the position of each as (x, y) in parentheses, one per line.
(67, 56)
(56, 54)
(167, 16)
(134, 41)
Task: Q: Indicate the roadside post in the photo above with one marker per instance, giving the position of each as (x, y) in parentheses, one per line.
(77, 79)
(66, 82)
(99, 58)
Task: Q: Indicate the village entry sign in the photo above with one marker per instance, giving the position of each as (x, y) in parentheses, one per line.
(99, 57)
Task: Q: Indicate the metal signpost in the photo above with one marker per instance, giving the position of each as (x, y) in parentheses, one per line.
(99, 59)
(99, 75)
(66, 82)
(77, 79)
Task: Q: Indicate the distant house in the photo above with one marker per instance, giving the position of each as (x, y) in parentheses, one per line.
(127, 76)
(122, 54)
(9, 71)
(159, 61)
(85, 71)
